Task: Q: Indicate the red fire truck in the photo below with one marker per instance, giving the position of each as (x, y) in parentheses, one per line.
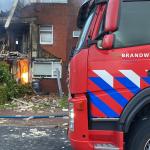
(109, 104)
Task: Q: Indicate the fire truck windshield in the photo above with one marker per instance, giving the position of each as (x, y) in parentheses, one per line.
(134, 24)
(82, 40)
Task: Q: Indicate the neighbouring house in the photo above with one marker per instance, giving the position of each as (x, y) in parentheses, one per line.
(44, 32)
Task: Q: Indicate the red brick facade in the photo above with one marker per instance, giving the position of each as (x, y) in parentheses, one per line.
(63, 18)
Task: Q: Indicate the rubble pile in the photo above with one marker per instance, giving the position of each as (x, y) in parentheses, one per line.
(37, 103)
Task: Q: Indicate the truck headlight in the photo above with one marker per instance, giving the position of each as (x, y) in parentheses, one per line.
(71, 116)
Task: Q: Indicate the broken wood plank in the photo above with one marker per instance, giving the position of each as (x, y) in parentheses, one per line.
(12, 11)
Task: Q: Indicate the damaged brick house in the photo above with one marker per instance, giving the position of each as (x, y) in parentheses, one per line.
(44, 31)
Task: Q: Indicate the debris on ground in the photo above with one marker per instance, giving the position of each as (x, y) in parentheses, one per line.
(65, 124)
(64, 109)
(36, 103)
(35, 133)
(2, 121)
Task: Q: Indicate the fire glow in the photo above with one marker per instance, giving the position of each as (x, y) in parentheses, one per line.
(25, 77)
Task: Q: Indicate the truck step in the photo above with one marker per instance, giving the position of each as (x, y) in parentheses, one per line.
(105, 147)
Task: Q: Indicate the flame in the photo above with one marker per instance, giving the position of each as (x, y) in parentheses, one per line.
(25, 77)
(23, 71)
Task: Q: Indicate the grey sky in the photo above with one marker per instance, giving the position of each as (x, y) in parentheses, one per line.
(5, 4)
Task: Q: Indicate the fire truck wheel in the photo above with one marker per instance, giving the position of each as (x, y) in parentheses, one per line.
(138, 137)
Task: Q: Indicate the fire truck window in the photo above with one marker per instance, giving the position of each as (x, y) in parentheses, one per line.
(134, 24)
(83, 35)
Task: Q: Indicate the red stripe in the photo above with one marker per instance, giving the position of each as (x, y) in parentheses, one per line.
(126, 93)
(93, 87)
(144, 84)
(117, 86)
(110, 102)
(95, 112)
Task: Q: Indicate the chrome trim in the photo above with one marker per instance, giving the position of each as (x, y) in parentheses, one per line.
(104, 119)
(105, 147)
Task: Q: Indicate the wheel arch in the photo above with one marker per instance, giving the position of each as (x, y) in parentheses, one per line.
(136, 104)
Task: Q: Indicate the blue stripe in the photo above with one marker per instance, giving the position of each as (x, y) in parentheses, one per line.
(102, 106)
(110, 91)
(146, 79)
(128, 84)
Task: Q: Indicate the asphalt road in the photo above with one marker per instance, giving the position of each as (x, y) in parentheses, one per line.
(33, 138)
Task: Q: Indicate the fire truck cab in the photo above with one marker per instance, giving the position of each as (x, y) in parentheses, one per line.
(109, 77)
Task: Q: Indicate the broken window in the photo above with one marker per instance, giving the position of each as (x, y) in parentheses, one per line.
(46, 35)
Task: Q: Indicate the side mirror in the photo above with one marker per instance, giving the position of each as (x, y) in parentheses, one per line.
(107, 42)
(112, 13)
(83, 13)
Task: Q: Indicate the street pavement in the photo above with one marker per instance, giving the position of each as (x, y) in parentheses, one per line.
(33, 138)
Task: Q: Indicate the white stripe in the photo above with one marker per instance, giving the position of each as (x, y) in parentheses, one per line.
(107, 77)
(131, 75)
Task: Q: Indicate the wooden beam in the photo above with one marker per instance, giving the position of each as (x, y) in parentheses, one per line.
(12, 11)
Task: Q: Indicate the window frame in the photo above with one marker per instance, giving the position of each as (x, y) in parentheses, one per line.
(76, 33)
(48, 31)
(51, 62)
(84, 33)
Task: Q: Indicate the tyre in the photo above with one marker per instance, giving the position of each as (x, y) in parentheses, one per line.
(138, 137)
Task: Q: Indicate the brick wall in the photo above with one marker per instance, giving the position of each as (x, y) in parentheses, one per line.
(63, 18)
